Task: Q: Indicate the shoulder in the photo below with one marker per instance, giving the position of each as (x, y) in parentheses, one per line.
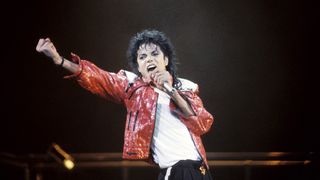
(187, 85)
(130, 76)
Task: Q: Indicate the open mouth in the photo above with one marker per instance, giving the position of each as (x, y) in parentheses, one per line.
(151, 68)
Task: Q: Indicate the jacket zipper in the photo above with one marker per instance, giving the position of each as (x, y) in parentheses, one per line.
(135, 120)
(196, 146)
(129, 121)
(129, 85)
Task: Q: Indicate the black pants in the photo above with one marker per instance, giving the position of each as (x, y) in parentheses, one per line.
(186, 170)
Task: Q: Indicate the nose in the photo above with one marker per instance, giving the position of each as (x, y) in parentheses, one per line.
(150, 59)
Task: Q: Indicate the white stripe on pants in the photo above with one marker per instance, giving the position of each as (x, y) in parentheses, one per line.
(168, 172)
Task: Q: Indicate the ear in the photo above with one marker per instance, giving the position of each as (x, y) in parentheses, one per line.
(166, 61)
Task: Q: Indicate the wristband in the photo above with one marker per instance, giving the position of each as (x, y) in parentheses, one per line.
(172, 91)
(62, 61)
(169, 89)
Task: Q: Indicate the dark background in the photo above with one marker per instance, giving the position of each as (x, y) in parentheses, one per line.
(254, 60)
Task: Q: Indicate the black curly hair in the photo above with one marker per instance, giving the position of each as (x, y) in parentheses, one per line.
(160, 39)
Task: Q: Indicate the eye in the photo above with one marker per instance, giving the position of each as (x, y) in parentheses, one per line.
(155, 53)
(141, 57)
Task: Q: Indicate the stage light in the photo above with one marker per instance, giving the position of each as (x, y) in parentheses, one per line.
(61, 156)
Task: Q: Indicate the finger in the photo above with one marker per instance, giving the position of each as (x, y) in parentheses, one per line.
(154, 76)
(43, 43)
(48, 39)
(159, 78)
(45, 46)
(40, 42)
(154, 79)
(167, 76)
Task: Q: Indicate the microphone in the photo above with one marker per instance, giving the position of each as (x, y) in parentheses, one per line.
(168, 87)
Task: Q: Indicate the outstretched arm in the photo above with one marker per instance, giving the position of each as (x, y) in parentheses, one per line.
(46, 46)
(106, 84)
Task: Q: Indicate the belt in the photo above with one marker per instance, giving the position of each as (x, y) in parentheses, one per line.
(188, 164)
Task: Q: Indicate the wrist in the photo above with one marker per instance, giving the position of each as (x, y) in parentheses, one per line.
(59, 61)
(172, 92)
(169, 89)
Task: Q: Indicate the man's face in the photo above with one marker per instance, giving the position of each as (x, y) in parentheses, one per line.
(150, 59)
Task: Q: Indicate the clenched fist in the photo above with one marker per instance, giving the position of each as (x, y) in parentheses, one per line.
(46, 46)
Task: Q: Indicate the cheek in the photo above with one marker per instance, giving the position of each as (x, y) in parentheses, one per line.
(140, 67)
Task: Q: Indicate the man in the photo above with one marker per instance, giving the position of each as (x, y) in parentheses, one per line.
(165, 116)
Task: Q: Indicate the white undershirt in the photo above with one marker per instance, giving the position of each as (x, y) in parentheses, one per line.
(171, 141)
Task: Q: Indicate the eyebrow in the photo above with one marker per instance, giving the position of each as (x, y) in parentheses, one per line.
(143, 54)
(144, 48)
(156, 50)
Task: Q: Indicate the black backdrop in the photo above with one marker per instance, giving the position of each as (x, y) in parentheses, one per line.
(253, 60)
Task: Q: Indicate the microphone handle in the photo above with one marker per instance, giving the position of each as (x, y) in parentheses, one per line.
(167, 87)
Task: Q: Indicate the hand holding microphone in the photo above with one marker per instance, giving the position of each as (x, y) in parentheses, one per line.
(163, 80)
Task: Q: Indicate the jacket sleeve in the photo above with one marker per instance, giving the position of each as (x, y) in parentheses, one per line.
(201, 121)
(105, 84)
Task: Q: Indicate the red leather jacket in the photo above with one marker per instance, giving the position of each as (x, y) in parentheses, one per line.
(141, 102)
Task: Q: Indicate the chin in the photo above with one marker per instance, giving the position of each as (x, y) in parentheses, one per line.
(146, 79)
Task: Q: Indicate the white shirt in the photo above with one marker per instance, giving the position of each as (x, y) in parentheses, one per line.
(171, 141)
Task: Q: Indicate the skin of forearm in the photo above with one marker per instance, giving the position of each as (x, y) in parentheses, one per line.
(68, 65)
(182, 104)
